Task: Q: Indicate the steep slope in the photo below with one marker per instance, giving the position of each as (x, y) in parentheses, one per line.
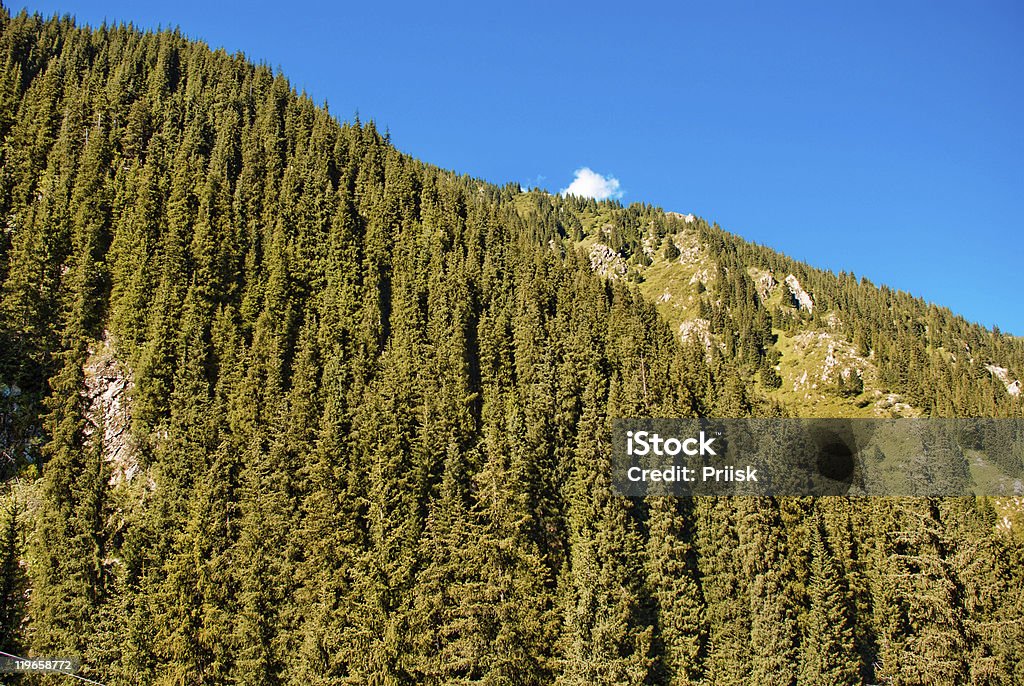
(767, 312)
(282, 405)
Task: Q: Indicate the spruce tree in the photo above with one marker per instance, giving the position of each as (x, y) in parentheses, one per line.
(12, 577)
(828, 655)
(681, 628)
(605, 638)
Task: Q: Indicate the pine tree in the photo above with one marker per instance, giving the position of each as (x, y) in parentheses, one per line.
(671, 249)
(605, 639)
(12, 577)
(71, 534)
(773, 628)
(922, 638)
(828, 655)
(681, 629)
(370, 402)
(724, 587)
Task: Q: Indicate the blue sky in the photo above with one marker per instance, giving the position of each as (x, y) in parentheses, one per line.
(881, 138)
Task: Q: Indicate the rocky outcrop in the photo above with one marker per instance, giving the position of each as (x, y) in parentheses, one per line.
(688, 218)
(801, 298)
(700, 276)
(837, 357)
(606, 262)
(1010, 509)
(109, 385)
(1013, 386)
(833, 321)
(892, 405)
(697, 330)
(765, 283)
(649, 245)
(831, 362)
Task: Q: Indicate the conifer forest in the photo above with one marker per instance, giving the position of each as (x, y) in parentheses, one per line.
(282, 405)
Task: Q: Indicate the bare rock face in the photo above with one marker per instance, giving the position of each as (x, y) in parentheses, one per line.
(765, 284)
(891, 404)
(109, 385)
(801, 298)
(697, 330)
(801, 382)
(606, 262)
(689, 254)
(688, 218)
(1001, 373)
(649, 245)
(840, 361)
(831, 362)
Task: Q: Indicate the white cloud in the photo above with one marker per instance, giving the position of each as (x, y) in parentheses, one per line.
(589, 184)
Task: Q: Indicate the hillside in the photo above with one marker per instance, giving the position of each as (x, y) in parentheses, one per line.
(283, 405)
(763, 311)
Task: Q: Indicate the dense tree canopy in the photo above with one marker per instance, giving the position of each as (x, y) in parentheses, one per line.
(370, 405)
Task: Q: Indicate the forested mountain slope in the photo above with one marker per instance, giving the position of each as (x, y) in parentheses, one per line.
(282, 405)
(765, 313)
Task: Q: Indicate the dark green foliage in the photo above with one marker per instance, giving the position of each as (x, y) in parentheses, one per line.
(850, 386)
(681, 630)
(371, 411)
(12, 577)
(770, 376)
(70, 577)
(922, 637)
(828, 655)
(671, 249)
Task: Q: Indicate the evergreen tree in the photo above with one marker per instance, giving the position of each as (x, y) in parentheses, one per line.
(604, 639)
(671, 249)
(369, 404)
(681, 628)
(828, 655)
(922, 638)
(12, 578)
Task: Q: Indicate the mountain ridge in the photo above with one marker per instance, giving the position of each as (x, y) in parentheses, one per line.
(639, 255)
(281, 405)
